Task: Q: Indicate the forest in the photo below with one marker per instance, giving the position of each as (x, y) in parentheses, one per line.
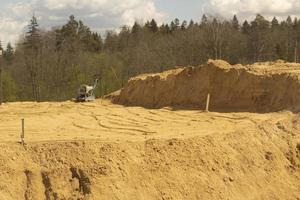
(50, 65)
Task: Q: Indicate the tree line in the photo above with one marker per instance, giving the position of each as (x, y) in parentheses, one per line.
(50, 65)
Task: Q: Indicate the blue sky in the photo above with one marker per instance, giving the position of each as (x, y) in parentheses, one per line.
(101, 15)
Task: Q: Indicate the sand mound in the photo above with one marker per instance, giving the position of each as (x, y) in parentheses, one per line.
(100, 150)
(261, 87)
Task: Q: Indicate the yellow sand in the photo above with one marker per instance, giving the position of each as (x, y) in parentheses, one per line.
(104, 151)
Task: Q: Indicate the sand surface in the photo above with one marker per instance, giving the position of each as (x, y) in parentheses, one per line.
(104, 151)
(102, 120)
(261, 87)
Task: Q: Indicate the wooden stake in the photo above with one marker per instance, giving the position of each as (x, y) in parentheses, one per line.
(207, 102)
(22, 133)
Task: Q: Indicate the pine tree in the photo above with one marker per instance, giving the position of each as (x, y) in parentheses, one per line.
(147, 26)
(184, 25)
(274, 23)
(235, 23)
(32, 43)
(289, 21)
(191, 24)
(153, 26)
(8, 53)
(260, 22)
(136, 28)
(204, 20)
(164, 28)
(1, 48)
(71, 29)
(96, 43)
(32, 35)
(175, 24)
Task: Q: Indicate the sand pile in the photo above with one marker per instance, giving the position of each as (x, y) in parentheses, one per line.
(261, 87)
(259, 164)
(101, 150)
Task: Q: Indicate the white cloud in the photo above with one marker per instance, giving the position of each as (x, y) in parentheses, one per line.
(97, 14)
(247, 8)
(143, 12)
(126, 11)
(19, 10)
(10, 30)
(12, 22)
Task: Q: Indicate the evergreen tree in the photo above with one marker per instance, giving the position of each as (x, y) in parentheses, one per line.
(32, 59)
(8, 53)
(274, 23)
(191, 24)
(136, 28)
(289, 21)
(235, 23)
(164, 28)
(204, 20)
(175, 24)
(71, 29)
(1, 49)
(153, 26)
(246, 27)
(32, 37)
(260, 23)
(184, 25)
(96, 43)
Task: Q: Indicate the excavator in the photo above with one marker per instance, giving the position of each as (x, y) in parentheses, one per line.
(86, 93)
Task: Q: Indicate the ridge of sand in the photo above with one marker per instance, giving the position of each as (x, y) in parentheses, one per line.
(261, 87)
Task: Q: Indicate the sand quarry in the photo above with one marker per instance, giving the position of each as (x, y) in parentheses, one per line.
(152, 139)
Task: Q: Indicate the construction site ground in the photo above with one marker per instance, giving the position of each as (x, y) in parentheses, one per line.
(100, 150)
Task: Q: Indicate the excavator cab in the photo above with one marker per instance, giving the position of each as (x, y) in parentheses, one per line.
(86, 93)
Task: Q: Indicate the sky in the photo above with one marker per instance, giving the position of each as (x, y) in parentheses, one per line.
(101, 15)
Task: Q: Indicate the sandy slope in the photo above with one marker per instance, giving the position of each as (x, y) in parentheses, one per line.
(109, 122)
(261, 87)
(104, 151)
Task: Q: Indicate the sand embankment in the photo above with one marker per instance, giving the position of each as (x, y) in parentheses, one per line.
(261, 87)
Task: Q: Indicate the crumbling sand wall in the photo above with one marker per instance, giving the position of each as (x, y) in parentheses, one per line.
(220, 166)
(262, 87)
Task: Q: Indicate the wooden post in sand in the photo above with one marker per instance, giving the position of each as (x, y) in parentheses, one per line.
(207, 102)
(22, 133)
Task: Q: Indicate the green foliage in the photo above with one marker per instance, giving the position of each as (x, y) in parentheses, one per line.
(9, 87)
(235, 23)
(9, 52)
(75, 35)
(32, 38)
(274, 23)
(246, 27)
